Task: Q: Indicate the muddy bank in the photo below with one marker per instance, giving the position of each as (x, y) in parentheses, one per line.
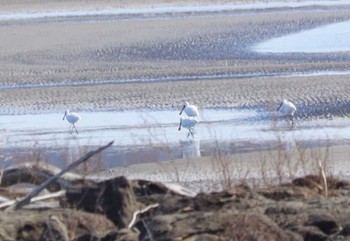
(120, 209)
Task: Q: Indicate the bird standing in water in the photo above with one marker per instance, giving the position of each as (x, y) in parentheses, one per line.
(189, 124)
(72, 118)
(288, 109)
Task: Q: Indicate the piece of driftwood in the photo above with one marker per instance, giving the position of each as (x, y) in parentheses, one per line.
(134, 216)
(163, 188)
(19, 204)
(324, 178)
(180, 190)
(36, 199)
(37, 173)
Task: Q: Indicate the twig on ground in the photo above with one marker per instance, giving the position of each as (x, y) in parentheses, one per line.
(24, 201)
(134, 216)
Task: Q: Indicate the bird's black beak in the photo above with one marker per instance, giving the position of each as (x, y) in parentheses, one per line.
(279, 106)
(64, 116)
(183, 107)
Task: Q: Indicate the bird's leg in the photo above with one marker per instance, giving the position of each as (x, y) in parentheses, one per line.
(292, 119)
(191, 131)
(75, 129)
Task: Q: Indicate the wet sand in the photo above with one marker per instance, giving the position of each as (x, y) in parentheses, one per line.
(47, 65)
(318, 96)
(57, 5)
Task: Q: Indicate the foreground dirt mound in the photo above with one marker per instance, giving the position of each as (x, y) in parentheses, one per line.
(58, 224)
(121, 209)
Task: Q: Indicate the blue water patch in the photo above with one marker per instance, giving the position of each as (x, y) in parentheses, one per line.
(325, 39)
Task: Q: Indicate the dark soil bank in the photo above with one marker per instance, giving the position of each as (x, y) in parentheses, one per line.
(121, 209)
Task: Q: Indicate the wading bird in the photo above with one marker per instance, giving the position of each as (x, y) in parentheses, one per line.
(288, 109)
(189, 124)
(190, 110)
(72, 118)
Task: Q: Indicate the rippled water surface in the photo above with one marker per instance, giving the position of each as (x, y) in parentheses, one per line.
(154, 135)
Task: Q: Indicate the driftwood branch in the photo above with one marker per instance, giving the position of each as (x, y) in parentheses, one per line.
(134, 216)
(24, 201)
(36, 199)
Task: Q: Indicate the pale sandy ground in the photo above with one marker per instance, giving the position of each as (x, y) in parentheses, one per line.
(54, 5)
(61, 51)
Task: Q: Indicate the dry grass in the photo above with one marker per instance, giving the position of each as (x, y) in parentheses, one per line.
(272, 167)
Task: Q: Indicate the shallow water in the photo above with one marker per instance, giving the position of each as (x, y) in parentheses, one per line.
(154, 136)
(158, 127)
(325, 39)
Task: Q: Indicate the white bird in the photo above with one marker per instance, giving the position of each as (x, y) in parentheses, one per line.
(190, 110)
(189, 124)
(72, 118)
(287, 108)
